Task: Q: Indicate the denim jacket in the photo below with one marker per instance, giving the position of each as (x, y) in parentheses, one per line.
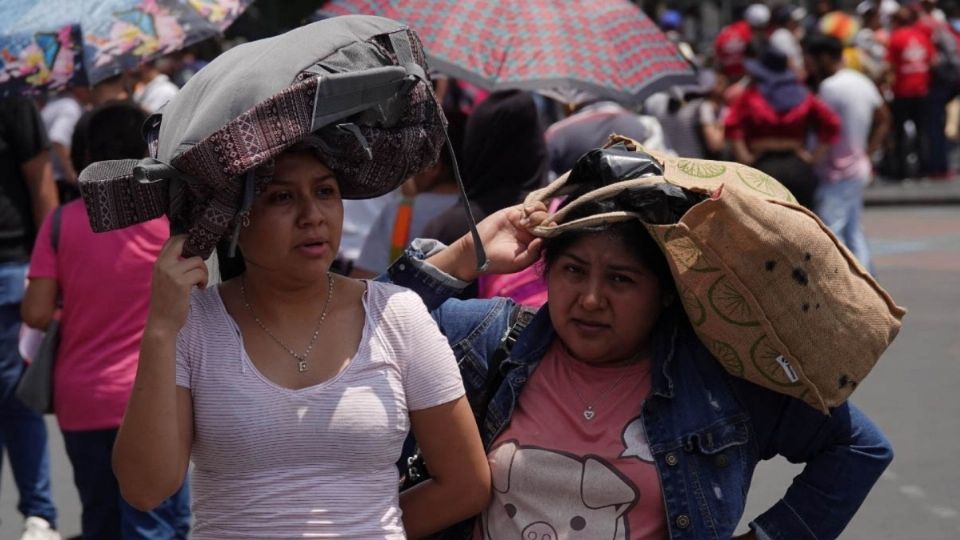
(706, 429)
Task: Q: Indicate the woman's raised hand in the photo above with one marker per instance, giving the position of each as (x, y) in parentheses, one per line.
(173, 279)
(507, 240)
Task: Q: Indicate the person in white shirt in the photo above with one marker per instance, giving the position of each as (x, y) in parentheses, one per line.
(153, 89)
(60, 116)
(847, 169)
(292, 389)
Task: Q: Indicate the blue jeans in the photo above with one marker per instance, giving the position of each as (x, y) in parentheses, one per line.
(22, 432)
(106, 516)
(840, 206)
(936, 104)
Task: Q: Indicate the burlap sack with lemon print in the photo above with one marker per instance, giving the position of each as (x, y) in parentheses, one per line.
(767, 287)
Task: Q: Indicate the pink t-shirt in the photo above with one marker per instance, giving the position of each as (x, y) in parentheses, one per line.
(319, 462)
(105, 282)
(574, 462)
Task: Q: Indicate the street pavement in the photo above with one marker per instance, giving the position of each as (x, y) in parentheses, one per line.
(913, 394)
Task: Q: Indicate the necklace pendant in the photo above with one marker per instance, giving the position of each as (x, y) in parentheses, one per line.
(588, 413)
(302, 365)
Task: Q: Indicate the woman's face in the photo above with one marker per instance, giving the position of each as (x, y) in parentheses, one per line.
(295, 223)
(603, 301)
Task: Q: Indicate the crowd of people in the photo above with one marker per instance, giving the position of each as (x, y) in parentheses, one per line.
(809, 98)
(827, 101)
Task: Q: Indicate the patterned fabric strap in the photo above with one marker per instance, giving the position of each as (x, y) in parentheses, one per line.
(115, 199)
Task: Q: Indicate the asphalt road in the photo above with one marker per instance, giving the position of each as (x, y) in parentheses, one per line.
(913, 394)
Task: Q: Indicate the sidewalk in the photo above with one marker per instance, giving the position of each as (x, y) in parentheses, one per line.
(913, 192)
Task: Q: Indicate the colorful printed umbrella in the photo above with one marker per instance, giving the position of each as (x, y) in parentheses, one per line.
(49, 44)
(607, 48)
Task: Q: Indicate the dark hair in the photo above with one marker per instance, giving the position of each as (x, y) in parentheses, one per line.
(821, 44)
(631, 233)
(114, 132)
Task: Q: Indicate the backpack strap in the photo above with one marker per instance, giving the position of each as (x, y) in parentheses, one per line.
(520, 317)
(404, 51)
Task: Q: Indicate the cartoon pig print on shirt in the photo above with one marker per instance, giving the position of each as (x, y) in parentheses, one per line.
(541, 494)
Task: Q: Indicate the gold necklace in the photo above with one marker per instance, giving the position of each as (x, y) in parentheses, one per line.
(301, 358)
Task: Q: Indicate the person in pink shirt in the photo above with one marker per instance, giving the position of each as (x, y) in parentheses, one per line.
(104, 283)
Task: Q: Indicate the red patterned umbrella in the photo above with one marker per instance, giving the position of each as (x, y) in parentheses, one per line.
(607, 48)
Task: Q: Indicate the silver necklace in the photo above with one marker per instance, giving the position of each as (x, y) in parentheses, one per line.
(301, 358)
(588, 410)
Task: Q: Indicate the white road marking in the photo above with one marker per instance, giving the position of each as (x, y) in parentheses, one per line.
(944, 512)
(913, 492)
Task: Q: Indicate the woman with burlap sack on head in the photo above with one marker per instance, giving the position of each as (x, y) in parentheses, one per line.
(605, 414)
(291, 389)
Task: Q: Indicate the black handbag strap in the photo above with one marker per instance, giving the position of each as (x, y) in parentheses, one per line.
(55, 228)
(55, 242)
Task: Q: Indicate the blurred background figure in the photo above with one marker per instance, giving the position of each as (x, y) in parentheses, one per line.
(104, 282)
(844, 27)
(504, 158)
(872, 40)
(27, 195)
(60, 115)
(589, 125)
(152, 88)
(787, 33)
(769, 123)
(864, 123)
(422, 197)
(691, 116)
(740, 39)
(944, 83)
(116, 88)
(671, 22)
(910, 55)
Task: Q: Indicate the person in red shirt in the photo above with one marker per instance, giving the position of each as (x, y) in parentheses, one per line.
(910, 55)
(732, 45)
(944, 84)
(768, 125)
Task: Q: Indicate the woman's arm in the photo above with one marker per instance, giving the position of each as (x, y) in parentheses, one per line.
(40, 299)
(39, 303)
(845, 453)
(152, 450)
(460, 476)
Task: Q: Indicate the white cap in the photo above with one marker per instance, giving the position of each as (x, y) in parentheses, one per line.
(757, 15)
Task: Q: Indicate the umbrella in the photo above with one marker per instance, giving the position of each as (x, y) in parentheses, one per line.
(605, 48)
(46, 45)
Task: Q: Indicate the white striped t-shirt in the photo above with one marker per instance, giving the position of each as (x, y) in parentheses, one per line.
(319, 462)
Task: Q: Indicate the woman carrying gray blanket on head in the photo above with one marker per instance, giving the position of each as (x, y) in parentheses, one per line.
(291, 389)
